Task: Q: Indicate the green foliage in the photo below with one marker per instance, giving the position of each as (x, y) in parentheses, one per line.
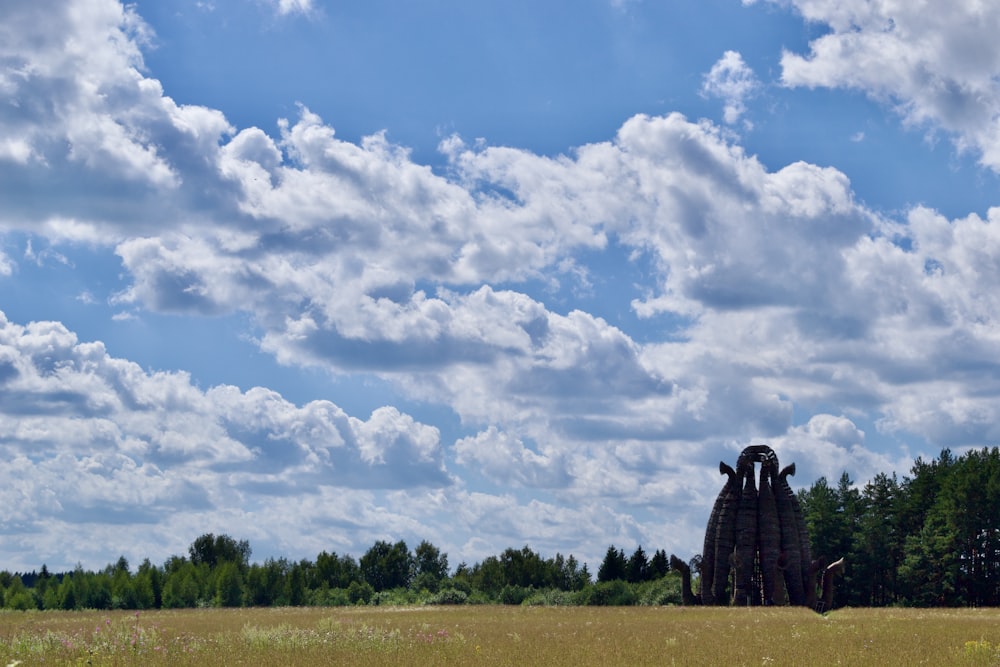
(931, 540)
(637, 567)
(360, 592)
(614, 566)
(333, 570)
(395, 597)
(431, 566)
(551, 597)
(513, 594)
(385, 566)
(659, 564)
(183, 585)
(228, 585)
(877, 549)
(213, 550)
(609, 594)
(663, 591)
(18, 597)
(448, 596)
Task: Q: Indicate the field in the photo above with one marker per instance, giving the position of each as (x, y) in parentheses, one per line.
(497, 635)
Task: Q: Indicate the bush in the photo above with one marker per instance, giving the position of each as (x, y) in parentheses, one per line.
(608, 594)
(396, 597)
(514, 594)
(360, 593)
(449, 596)
(551, 598)
(426, 581)
(330, 597)
(21, 600)
(663, 591)
(480, 597)
(459, 584)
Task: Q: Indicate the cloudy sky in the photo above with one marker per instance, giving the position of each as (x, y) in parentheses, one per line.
(316, 274)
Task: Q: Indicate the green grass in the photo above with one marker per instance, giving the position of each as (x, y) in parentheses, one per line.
(497, 635)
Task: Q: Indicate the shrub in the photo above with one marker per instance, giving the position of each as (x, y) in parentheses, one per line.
(459, 584)
(608, 594)
(663, 591)
(331, 597)
(360, 593)
(480, 597)
(21, 601)
(551, 598)
(514, 594)
(449, 596)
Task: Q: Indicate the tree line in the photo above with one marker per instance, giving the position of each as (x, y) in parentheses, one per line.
(217, 572)
(930, 539)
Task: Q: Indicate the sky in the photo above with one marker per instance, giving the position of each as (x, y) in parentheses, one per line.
(316, 274)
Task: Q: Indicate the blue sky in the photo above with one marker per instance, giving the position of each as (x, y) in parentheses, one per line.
(316, 274)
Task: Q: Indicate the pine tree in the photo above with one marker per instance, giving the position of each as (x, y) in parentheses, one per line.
(613, 567)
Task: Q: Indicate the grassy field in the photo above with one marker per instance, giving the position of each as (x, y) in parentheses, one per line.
(495, 635)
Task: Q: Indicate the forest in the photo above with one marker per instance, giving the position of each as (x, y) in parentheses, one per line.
(929, 539)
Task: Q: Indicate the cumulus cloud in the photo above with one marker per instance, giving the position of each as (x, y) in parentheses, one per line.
(506, 459)
(107, 441)
(936, 65)
(783, 293)
(732, 80)
(84, 118)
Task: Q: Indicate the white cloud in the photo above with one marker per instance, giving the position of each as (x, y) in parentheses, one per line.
(86, 297)
(507, 460)
(828, 445)
(82, 113)
(108, 442)
(732, 80)
(793, 290)
(16, 150)
(936, 64)
(284, 7)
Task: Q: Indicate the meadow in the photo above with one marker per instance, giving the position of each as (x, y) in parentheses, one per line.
(503, 635)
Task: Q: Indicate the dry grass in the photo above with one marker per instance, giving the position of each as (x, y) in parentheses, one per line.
(494, 635)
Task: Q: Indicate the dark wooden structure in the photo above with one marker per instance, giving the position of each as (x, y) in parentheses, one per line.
(756, 549)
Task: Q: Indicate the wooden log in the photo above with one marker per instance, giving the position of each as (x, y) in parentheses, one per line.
(711, 535)
(791, 539)
(815, 568)
(832, 570)
(746, 534)
(687, 596)
(725, 536)
(768, 532)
